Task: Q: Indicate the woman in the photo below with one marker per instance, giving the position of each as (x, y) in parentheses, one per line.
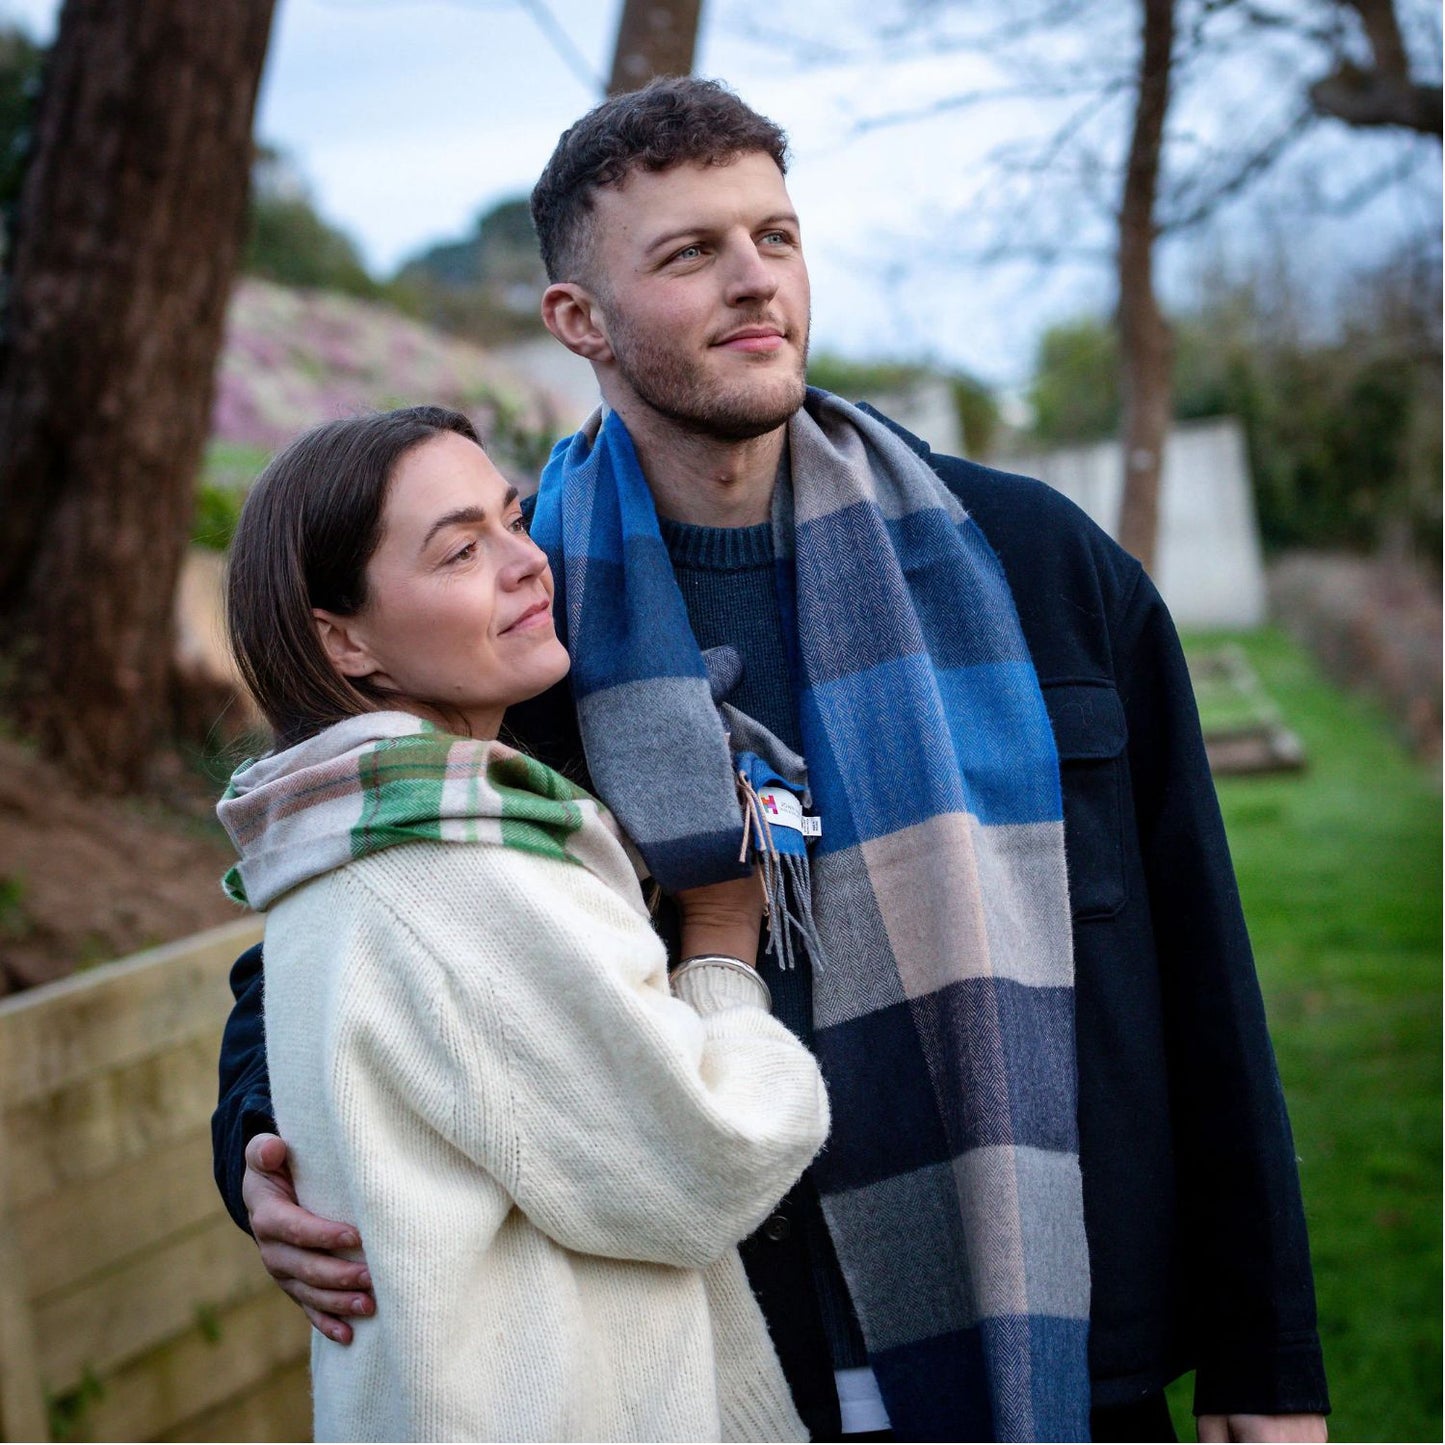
(474, 1050)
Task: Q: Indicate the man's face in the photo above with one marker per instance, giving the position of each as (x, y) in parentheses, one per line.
(702, 291)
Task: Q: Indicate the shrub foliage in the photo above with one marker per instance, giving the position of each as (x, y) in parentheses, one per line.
(1342, 421)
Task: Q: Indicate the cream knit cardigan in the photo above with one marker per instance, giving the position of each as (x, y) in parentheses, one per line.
(475, 1056)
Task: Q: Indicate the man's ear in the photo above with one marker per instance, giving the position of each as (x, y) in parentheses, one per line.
(345, 646)
(572, 315)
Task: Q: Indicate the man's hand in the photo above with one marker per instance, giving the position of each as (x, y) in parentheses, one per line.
(1308, 1428)
(295, 1244)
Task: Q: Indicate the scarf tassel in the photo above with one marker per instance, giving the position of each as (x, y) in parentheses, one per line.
(787, 883)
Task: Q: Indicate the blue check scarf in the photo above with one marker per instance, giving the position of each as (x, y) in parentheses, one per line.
(943, 1006)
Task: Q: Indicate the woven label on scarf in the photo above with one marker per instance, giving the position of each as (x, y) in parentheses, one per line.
(783, 809)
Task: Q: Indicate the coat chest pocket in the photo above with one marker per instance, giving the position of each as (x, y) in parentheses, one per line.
(1089, 729)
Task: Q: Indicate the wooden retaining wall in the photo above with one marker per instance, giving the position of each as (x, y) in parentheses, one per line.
(131, 1308)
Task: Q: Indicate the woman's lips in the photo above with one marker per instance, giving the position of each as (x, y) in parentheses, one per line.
(537, 616)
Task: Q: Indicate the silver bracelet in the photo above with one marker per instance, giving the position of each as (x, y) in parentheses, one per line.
(725, 960)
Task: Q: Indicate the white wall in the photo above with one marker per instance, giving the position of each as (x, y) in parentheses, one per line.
(1209, 566)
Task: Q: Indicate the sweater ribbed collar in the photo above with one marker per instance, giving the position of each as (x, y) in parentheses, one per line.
(717, 549)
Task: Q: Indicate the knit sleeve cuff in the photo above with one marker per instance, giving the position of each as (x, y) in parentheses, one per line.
(710, 988)
(255, 1117)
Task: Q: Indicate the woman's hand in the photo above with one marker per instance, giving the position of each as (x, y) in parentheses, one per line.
(723, 918)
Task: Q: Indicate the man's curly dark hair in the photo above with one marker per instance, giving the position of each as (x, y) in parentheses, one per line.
(671, 122)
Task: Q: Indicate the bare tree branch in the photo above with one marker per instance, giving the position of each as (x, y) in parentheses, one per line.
(1207, 198)
(560, 41)
(1381, 94)
(1258, 18)
(902, 41)
(1371, 98)
(1382, 29)
(1322, 201)
(971, 100)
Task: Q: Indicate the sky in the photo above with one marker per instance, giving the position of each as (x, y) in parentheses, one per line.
(407, 118)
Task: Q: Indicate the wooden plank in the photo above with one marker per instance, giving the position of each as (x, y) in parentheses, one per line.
(95, 1224)
(278, 1410)
(200, 1371)
(54, 1036)
(116, 1316)
(22, 1400)
(103, 1122)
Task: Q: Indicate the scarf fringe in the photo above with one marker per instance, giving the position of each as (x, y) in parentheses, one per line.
(787, 885)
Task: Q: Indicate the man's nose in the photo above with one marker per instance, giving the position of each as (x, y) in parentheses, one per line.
(750, 278)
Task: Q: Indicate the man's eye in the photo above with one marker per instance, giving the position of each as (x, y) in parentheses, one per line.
(777, 238)
(688, 253)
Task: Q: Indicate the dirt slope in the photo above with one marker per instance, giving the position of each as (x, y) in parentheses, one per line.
(84, 880)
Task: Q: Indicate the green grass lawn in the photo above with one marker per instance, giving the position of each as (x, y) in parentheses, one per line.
(1340, 870)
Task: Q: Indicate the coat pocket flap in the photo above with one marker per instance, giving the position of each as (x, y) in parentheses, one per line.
(1087, 718)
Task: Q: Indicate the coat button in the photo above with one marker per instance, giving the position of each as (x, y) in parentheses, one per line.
(777, 1228)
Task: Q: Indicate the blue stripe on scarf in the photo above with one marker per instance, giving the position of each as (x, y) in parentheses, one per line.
(634, 626)
(651, 734)
(1004, 776)
(641, 588)
(938, 1378)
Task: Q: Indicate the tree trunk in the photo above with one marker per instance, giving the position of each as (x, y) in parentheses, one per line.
(1146, 347)
(130, 227)
(654, 37)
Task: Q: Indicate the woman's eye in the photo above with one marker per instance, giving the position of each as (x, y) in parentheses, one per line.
(518, 524)
(462, 553)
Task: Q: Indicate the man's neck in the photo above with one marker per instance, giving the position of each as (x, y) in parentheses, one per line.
(706, 481)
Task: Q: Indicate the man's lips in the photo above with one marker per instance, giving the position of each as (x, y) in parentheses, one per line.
(753, 338)
(534, 616)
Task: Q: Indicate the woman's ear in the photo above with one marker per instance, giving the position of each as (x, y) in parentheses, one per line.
(572, 315)
(342, 639)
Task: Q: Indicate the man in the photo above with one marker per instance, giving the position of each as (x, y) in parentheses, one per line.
(930, 1271)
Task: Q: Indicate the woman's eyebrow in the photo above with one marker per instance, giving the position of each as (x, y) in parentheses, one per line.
(463, 516)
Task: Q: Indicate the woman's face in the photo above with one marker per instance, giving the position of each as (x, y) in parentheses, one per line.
(459, 597)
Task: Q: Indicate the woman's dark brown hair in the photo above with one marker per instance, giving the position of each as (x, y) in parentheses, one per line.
(307, 531)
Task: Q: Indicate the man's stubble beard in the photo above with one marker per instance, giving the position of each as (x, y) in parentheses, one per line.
(679, 389)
